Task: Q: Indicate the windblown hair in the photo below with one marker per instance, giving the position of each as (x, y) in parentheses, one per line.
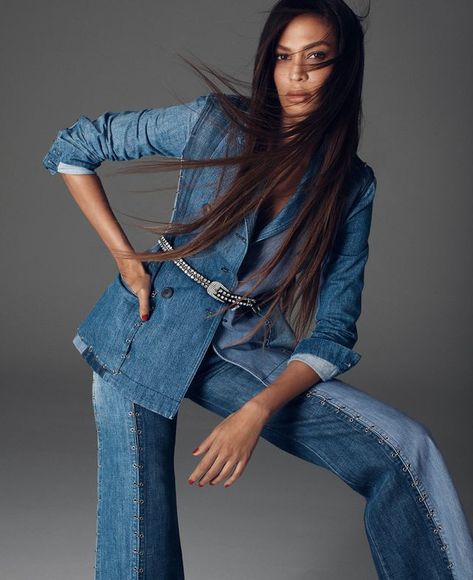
(271, 153)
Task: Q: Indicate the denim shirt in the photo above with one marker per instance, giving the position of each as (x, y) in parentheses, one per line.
(139, 357)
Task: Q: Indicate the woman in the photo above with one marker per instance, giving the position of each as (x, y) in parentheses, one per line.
(291, 211)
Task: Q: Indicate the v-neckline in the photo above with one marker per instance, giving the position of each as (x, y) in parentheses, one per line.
(258, 227)
(285, 215)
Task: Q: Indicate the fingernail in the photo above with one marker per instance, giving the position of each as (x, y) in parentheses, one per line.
(144, 316)
(191, 481)
(195, 450)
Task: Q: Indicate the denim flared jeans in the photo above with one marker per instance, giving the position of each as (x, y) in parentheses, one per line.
(414, 520)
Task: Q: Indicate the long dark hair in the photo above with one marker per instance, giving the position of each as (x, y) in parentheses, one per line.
(272, 152)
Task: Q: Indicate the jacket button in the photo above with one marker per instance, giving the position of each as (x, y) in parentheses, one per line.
(206, 207)
(167, 292)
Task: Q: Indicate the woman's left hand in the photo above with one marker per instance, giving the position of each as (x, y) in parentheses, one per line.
(229, 446)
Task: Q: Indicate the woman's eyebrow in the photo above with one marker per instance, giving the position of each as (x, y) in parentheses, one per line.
(317, 43)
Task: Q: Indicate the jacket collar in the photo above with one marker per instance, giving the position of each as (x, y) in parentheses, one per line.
(283, 219)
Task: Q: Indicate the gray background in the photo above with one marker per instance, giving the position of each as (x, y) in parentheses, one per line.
(284, 519)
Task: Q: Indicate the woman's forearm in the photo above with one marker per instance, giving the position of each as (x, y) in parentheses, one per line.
(295, 379)
(88, 192)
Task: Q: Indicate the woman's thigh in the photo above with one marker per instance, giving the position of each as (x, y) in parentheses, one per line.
(316, 425)
(366, 442)
(137, 521)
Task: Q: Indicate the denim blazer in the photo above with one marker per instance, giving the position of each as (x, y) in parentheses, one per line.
(154, 362)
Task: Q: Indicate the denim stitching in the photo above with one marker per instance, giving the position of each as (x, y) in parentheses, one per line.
(381, 439)
(138, 501)
(99, 478)
(375, 546)
(178, 189)
(128, 340)
(396, 452)
(90, 348)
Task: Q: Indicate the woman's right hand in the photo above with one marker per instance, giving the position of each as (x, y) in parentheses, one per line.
(138, 281)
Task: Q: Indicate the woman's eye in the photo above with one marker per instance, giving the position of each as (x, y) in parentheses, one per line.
(319, 53)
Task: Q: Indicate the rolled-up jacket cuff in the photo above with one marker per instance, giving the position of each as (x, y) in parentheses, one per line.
(335, 353)
(325, 369)
(72, 169)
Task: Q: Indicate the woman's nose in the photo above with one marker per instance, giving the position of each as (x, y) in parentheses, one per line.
(297, 72)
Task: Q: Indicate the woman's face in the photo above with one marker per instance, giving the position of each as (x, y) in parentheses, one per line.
(306, 40)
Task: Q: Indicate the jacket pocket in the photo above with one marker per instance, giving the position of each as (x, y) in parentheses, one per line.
(127, 288)
(110, 326)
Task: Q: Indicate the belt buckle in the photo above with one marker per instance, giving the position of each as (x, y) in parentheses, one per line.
(214, 287)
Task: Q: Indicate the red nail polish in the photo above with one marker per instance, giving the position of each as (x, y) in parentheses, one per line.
(191, 481)
(144, 316)
(195, 450)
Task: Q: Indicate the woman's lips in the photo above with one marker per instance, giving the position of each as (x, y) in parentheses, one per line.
(297, 98)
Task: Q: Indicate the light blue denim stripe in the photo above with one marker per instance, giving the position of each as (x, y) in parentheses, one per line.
(72, 169)
(325, 369)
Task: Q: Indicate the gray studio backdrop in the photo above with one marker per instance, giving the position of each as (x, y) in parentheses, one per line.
(284, 519)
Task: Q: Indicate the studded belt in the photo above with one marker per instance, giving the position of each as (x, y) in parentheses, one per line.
(214, 288)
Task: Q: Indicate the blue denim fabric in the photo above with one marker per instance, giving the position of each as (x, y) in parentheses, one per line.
(73, 169)
(154, 361)
(260, 352)
(250, 355)
(124, 135)
(414, 520)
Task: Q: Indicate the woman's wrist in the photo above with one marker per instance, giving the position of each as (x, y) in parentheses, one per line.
(261, 411)
(296, 378)
(129, 265)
